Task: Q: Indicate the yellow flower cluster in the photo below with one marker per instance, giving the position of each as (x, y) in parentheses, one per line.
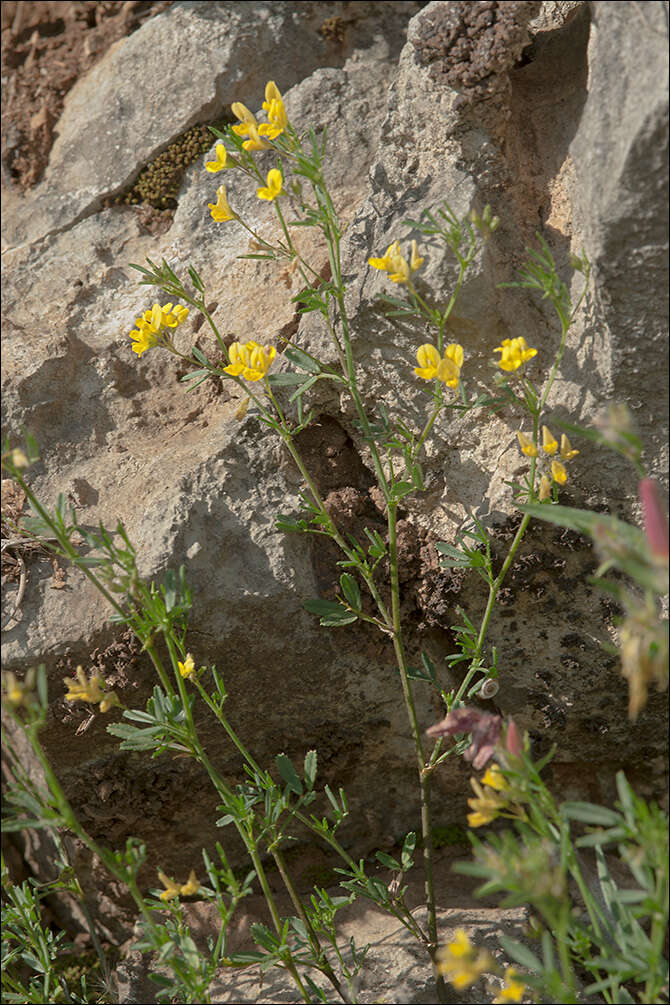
(153, 323)
(398, 268)
(487, 805)
(257, 135)
(461, 963)
(446, 368)
(550, 445)
(250, 361)
(249, 126)
(172, 889)
(514, 352)
(512, 990)
(80, 688)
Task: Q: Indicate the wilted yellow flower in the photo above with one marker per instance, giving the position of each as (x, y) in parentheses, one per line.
(173, 889)
(191, 886)
(250, 361)
(273, 187)
(446, 369)
(545, 488)
(276, 113)
(187, 668)
(19, 459)
(527, 446)
(398, 268)
(220, 162)
(643, 642)
(220, 210)
(558, 472)
(549, 443)
(18, 692)
(82, 689)
(512, 990)
(461, 963)
(567, 452)
(514, 352)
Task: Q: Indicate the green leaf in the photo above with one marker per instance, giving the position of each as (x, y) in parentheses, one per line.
(302, 360)
(349, 588)
(402, 489)
(331, 614)
(200, 356)
(289, 774)
(310, 768)
(285, 379)
(520, 954)
(589, 813)
(305, 386)
(388, 861)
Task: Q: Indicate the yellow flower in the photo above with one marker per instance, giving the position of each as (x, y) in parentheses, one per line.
(545, 488)
(82, 689)
(173, 889)
(460, 962)
(220, 162)
(486, 807)
(567, 452)
(274, 106)
(549, 444)
(527, 446)
(512, 990)
(187, 668)
(251, 361)
(221, 211)
(398, 268)
(18, 692)
(19, 459)
(248, 126)
(153, 322)
(172, 316)
(431, 366)
(415, 261)
(495, 779)
(514, 352)
(191, 886)
(558, 472)
(274, 186)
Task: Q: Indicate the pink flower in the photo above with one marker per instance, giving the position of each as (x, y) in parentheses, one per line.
(484, 727)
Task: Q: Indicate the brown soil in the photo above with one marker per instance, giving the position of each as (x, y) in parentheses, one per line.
(46, 47)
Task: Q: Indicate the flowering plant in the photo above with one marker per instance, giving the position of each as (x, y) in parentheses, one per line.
(266, 806)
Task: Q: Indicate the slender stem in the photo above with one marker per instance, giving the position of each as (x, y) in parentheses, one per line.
(424, 776)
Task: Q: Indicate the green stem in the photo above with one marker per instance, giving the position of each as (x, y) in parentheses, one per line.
(424, 776)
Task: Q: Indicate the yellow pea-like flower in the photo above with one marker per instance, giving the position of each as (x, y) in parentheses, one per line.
(187, 668)
(545, 488)
(549, 443)
(273, 188)
(220, 162)
(567, 451)
(527, 446)
(514, 352)
(432, 366)
(558, 472)
(220, 210)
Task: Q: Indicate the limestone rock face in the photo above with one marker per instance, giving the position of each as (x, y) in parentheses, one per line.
(556, 115)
